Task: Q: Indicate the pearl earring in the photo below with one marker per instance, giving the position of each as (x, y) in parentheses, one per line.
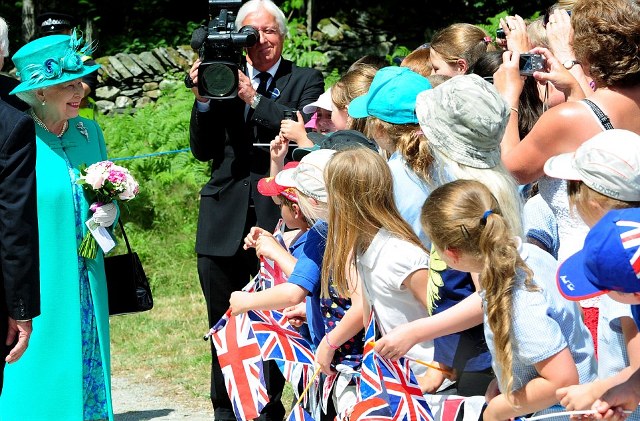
(43, 102)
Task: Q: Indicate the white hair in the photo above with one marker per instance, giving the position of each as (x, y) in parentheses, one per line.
(497, 179)
(252, 6)
(29, 97)
(4, 38)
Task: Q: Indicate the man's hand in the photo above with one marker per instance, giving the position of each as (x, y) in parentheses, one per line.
(245, 88)
(193, 74)
(23, 331)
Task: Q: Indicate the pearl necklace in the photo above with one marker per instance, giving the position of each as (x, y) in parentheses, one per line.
(39, 122)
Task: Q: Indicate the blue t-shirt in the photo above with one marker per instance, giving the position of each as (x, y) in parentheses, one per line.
(635, 312)
(306, 274)
(466, 350)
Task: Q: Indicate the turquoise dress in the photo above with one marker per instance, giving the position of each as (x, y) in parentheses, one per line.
(65, 372)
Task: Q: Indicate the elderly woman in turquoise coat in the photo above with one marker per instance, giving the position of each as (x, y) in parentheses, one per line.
(65, 374)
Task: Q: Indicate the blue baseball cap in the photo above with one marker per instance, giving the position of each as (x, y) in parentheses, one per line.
(609, 260)
(391, 97)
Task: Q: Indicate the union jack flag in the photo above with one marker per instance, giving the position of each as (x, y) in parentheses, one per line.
(372, 409)
(278, 340)
(449, 407)
(370, 383)
(405, 397)
(270, 272)
(631, 239)
(239, 356)
(299, 414)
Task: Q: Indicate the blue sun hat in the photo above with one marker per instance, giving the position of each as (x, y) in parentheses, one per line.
(51, 60)
(391, 97)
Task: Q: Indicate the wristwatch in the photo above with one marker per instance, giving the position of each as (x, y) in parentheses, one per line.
(255, 101)
(570, 63)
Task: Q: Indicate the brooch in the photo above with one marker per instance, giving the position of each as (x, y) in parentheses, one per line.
(83, 130)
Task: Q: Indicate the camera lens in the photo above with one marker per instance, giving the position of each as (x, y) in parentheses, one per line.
(500, 33)
(218, 80)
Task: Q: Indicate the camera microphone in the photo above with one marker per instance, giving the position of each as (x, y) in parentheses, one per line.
(197, 38)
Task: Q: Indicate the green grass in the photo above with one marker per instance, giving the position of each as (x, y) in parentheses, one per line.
(165, 344)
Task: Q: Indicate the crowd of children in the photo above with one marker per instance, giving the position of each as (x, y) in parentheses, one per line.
(406, 205)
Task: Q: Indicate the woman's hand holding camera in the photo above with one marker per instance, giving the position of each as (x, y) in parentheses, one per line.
(515, 30)
(558, 75)
(508, 80)
(560, 34)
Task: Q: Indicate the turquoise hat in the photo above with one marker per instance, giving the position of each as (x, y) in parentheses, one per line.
(50, 61)
(391, 97)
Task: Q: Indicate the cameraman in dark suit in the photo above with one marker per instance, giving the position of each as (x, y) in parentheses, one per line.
(19, 263)
(225, 131)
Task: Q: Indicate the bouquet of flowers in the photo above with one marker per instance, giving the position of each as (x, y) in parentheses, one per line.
(107, 182)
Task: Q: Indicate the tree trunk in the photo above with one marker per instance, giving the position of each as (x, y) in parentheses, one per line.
(309, 17)
(88, 31)
(28, 21)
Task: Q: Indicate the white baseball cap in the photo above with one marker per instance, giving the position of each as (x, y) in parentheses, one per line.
(308, 176)
(608, 163)
(324, 102)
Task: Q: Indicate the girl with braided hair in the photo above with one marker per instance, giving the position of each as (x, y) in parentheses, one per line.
(537, 340)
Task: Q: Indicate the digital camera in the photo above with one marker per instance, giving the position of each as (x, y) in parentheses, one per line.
(530, 63)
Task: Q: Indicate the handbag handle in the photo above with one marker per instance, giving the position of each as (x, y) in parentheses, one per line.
(124, 234)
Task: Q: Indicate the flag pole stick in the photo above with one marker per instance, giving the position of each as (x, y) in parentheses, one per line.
(304, 392)
(426, 364)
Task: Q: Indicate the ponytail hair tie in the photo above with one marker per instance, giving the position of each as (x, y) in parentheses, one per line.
(485, 215)
(419, 132)
(487, 40)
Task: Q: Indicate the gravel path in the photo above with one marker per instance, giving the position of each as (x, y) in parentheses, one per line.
(143, 401)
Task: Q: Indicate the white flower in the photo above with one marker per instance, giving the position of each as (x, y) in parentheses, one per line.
(96, 178)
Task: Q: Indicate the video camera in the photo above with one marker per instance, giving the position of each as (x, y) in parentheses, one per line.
(220, 49)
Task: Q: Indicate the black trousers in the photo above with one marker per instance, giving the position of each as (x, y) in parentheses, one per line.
(219, 277)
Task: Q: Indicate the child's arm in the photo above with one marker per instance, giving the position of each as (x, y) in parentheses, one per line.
(464, 315)
(294, 131)
(582, 396)
(625, 396)
(278, 149)
(274, 298)
(267, 246)
(417, 283)
(556, 371)
(252, 237)
(347, 328)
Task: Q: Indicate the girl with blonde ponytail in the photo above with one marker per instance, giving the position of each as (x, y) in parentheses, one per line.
(536, 338)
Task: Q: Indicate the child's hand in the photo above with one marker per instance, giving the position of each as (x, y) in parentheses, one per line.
(577, 397)
(293, 130)
(267, 246)
(396, 343)
(431, 381)
(252, 237)
(324, 356)
(278, 149)
(296, 315)
(238, 302)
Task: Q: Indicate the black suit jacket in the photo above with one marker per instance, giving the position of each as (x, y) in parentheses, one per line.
(223, 136)
(19, 259)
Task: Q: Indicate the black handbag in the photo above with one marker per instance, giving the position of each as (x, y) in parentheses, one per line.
(127, 284)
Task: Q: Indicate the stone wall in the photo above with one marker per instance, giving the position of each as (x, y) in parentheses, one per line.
(130, 81)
